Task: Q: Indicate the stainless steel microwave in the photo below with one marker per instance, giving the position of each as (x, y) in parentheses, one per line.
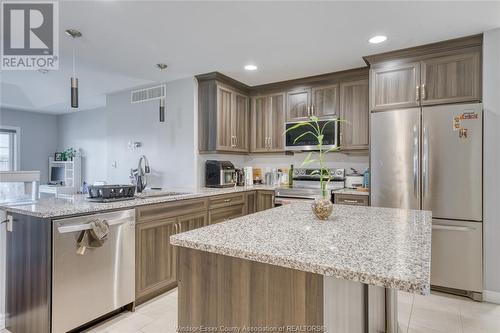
(308, 141)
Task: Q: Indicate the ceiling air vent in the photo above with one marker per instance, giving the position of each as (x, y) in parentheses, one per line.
(148, 94)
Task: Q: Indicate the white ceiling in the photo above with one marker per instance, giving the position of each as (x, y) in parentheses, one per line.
(122, 40)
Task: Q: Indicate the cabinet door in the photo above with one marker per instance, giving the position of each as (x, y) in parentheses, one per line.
(354, 111)
(265, 200)
(192, 221)
(251, 199)
(276, 135)
(298, 105)
(225, 138)
(259, 124)
(451, 79)
(395, 87)
(240, 122)
(155, 257)
(325, 101)
(226, 213)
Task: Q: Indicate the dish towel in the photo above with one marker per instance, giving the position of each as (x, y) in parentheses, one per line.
(93, 237)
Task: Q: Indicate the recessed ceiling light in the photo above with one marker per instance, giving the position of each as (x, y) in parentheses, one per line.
(250, 67)
(377, 39)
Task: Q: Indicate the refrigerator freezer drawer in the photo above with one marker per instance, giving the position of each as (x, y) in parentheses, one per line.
(457, 259)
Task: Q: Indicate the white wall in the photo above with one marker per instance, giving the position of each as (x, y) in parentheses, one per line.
(491, 225)
(103, 135)
(86, 131)
(38, 138)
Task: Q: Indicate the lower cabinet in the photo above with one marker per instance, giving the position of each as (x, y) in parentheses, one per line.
(265, 200)
(156, 259)
(222, 214)
(351, 199)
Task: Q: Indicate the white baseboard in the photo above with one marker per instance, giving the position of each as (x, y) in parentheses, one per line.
(491, 296)
(2, 321)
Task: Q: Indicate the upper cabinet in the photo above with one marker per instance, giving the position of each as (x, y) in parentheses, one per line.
(298, 105)
(267, 123)
(395, 86)
(451, 79)
(223, 117)
(321, 101)
(440, 73)
(355, 115)
(325, 101)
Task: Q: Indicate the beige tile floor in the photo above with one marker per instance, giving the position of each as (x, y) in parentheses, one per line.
(437, 313)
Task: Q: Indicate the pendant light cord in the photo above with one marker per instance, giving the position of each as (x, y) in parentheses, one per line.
(74, 66)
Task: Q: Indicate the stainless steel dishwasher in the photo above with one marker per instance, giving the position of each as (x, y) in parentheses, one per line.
(85, 287)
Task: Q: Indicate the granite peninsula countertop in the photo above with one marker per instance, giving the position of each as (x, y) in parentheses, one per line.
(55, 207)
(377, 246)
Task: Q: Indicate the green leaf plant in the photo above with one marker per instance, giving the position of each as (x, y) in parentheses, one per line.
(317, 156)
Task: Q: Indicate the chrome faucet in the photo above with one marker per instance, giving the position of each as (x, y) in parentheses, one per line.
(138, 176)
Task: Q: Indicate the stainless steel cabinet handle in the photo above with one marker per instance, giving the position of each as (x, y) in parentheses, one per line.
(425, 162)
(417, 93)
(451, 228)
(415, 161)
(424, 96)
(349, 201)
(270, 142)
(227, 200)
(309, 111)
(236, 139)
(81, 227)
(312, 110)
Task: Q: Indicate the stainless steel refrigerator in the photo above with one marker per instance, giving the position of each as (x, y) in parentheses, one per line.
(431, 158)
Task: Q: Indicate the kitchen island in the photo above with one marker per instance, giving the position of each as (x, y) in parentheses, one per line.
(284, 270)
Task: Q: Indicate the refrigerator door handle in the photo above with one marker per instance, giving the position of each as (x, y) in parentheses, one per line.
(415, 160)
(425, 162)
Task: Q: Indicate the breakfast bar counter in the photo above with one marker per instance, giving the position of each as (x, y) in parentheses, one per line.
(283, 267)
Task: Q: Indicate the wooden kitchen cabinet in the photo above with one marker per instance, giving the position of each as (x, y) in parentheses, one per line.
(355, 115)
(325, 101)
(298, 105)
(350, 199)
(267, 123)
(155, 257)
(451, 79)
(222, 214)
(265, 200)
(223, 117)
(395, 86)
(251, 201)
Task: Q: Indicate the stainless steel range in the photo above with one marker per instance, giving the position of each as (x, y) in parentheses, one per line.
(306, 186)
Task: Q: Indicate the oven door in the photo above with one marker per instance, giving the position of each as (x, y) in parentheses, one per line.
(298, 139)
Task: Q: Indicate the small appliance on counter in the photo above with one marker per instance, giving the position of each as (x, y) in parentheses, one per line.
(354, 179)
(240, 177)
(219, 174)
(248, 171)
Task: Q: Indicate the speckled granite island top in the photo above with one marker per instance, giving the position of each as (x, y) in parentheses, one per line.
(377, 246)
(53, 207)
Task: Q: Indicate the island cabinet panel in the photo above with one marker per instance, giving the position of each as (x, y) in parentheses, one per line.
(28, 275)
(451, 79)
(355, 113)
(395, 86)
(217, 290)
(265, 200)
(325, 101)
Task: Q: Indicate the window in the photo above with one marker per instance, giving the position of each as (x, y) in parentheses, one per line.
(9, 149)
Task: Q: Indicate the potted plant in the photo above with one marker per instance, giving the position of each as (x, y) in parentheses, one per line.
(322, 205)
(69, 154)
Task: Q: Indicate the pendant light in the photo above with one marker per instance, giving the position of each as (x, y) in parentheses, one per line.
(74, 80)
(162, 67)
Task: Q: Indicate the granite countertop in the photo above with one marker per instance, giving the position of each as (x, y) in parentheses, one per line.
(53, 207)
(378, 246)
(351, 191)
